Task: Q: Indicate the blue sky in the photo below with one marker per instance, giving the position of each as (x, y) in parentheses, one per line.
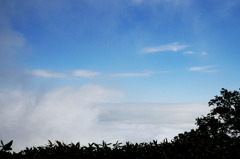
(117, 54)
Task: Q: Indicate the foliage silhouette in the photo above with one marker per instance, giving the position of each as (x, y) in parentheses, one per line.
(6, 147)
(224, 118)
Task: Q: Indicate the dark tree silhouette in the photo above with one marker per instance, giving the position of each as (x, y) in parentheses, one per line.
(224, 118)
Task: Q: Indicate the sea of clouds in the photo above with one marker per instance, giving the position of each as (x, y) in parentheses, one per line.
(90, 113)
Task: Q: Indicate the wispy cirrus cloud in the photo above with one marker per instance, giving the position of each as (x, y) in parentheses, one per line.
(48, 74)
(143, 74)
(76, 73)
(202, 69)
(85, 73)
(188, 52)
(168, 47)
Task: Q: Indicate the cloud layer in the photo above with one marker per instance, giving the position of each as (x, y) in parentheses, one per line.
(66, 113)
(91, 113)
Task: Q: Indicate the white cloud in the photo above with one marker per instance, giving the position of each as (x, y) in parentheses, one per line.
(91, 113)
(202, 69)
(144, 74)
(188, 52)
(76, 73)
(169, 47)
(85, 73)
(48, 74)
(67, 113)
